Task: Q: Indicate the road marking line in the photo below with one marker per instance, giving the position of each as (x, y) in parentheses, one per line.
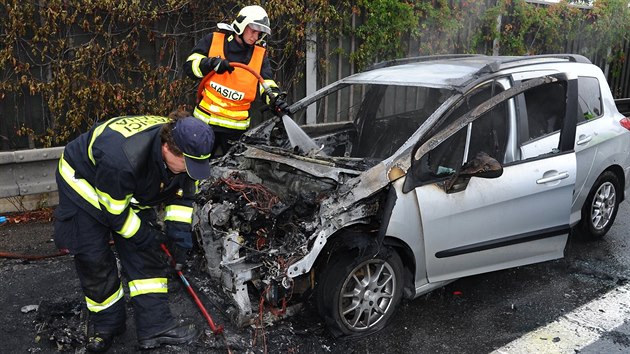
(577, 329)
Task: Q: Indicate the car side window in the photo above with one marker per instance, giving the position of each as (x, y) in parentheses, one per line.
(589, 99)
(390, 114)
(488, 133)
(542, 111)
(545, 107)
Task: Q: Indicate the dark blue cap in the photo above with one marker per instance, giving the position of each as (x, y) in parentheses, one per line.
(195, 139)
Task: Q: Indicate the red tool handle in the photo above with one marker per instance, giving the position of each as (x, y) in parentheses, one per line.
(215, 329)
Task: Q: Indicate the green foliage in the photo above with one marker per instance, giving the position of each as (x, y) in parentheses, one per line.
(292, 23)
(535, 29)
(384, 23)
(88, 60)
(441, 22)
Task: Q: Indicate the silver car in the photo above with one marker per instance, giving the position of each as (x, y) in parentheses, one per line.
(435, 168)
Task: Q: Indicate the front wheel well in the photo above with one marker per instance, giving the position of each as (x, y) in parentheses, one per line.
(360, 240)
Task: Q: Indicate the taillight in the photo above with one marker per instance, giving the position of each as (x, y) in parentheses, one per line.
(625, 122)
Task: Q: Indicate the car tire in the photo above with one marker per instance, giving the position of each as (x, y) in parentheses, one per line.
(600, 207)
(357, 295)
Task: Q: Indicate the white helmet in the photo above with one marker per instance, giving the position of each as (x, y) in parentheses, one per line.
(253, 16)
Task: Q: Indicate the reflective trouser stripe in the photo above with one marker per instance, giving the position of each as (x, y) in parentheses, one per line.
(94, 306)
(147, 286)
(178, 213)
(81, 186)
(222, 122)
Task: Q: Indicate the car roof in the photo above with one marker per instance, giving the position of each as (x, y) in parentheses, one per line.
(449, 71)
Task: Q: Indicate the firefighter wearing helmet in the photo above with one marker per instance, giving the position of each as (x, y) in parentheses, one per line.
(227, 94)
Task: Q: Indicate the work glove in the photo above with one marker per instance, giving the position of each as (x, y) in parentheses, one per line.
(221, 65)
(180, 257)
(280, 106)
(276, 101)
(152, 239)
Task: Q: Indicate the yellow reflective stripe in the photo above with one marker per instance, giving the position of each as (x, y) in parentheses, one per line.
(136, 205)
(94, 306)
(228, 123)
(81, 186)
(147, 286)
(196, 61)
(197, 113)
(178, 213)
(131, 225)
(223, 122)
(271, 83)
(95, 135)
(214, 107)
(224, 103)
(113, 206)
(142, 207)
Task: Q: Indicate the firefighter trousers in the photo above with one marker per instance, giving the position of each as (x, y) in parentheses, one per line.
(78, 229)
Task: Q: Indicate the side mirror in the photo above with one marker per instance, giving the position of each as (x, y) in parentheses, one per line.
(482, 166)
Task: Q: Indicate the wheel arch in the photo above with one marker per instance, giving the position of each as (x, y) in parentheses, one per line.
(621, 177)
(360, 239)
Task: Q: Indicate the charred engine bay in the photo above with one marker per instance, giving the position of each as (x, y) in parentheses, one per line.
(257, 213)
(272, 207)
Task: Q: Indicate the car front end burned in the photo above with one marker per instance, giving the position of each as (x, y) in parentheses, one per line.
(261, 212)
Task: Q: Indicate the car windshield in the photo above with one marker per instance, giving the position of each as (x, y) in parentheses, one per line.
(383, 116)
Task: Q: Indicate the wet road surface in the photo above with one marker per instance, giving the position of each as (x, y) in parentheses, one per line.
(479, 314)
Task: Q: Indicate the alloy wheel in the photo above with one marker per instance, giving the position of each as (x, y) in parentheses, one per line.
(367, 294)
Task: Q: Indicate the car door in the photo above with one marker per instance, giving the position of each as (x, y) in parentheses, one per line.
(518, 218)
(591, 131)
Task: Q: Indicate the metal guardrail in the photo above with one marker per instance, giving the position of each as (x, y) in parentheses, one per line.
(27, 172)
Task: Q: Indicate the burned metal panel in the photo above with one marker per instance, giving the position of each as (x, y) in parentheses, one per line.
(311, 166)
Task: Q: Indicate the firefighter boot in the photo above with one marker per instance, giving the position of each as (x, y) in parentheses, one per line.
(99, 342)
(179, 334)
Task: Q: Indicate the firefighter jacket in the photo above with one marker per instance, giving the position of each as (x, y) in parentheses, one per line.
(227, 97)
(117, 168)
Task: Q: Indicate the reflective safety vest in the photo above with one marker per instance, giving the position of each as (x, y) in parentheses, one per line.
(226, 97)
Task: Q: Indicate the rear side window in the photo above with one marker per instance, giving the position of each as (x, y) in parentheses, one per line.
(545, 109)
(589, 99)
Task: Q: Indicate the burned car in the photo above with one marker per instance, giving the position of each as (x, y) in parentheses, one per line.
(428, 170)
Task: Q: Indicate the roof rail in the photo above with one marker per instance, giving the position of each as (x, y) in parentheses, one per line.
(510, 62)
(400, 61)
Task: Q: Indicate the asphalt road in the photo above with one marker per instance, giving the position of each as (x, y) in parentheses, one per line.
(479, 314)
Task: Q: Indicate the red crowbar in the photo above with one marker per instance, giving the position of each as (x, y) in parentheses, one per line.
(215, 329)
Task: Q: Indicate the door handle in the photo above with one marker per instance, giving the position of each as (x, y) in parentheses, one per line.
(559, 176)
(583, 139)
